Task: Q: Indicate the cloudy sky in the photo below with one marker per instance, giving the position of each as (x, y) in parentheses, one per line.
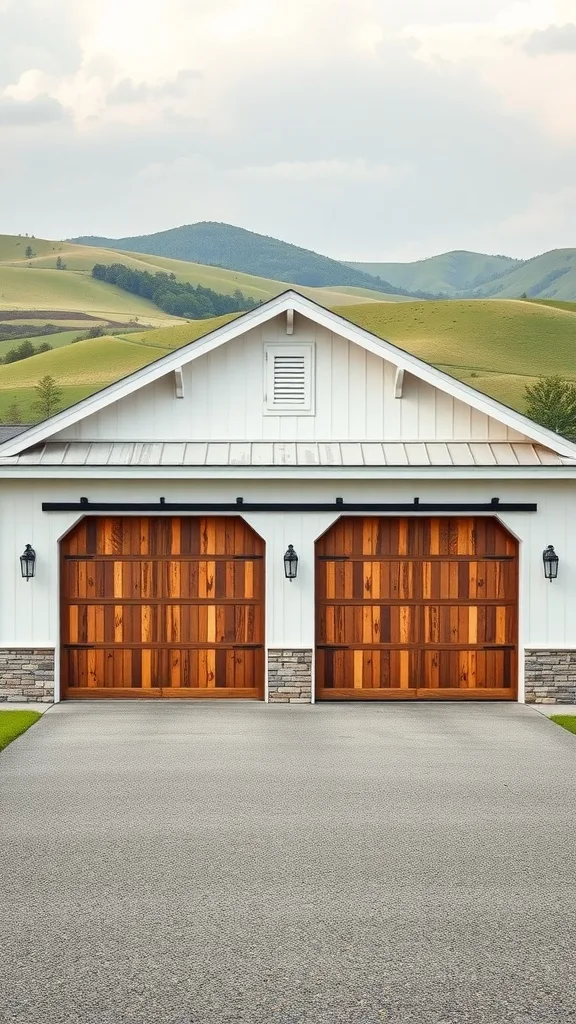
(364, 129)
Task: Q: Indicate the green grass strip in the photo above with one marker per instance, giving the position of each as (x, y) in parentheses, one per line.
(566, 721)
(14, 723)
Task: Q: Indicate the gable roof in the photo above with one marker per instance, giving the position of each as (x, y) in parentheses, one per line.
(289, 300)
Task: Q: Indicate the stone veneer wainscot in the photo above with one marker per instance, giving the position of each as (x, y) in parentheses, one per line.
(290, 676)
(550, 677)
(27, 674)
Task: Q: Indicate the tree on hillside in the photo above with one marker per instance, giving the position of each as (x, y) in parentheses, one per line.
(552, 402)
(29, 252)
(48, 397)
(13, 413)
(24, 351)
(95, 332)
(60, 265)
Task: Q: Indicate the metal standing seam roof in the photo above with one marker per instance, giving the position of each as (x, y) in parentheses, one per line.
(287, 453)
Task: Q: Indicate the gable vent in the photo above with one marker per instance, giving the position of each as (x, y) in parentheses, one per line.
(289, 378)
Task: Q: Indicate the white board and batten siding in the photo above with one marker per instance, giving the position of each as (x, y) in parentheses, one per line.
(226, 399)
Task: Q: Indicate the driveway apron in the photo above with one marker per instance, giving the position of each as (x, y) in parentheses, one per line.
(202, 863)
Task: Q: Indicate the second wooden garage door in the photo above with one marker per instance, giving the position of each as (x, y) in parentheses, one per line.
(162, 606)
(416, 608)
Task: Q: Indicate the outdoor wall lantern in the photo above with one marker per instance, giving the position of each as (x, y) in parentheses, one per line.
(290, 563)
(28, 563)
(550, 559)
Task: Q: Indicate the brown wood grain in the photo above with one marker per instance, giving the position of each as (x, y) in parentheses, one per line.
(416, 608)
(162, 606)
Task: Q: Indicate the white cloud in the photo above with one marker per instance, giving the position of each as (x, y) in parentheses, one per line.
(554, 39)
(364, 128)
(496, 51)
(40, 110)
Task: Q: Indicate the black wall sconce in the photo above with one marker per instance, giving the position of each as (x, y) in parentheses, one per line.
(290, 563)
(28, 563)
(550, 559)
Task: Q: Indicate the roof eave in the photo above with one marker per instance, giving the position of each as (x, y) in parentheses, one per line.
(315, 472)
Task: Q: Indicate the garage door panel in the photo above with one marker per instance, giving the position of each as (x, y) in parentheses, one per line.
(436, 611)
(163, 667)
(163, 606)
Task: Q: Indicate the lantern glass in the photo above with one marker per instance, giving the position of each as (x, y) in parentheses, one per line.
(290, 563)
(28, 563)
(551, 560)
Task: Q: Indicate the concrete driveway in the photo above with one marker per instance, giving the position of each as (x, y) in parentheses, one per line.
(193, 863)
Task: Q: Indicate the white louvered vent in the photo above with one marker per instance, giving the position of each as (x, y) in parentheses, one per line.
(289, 384)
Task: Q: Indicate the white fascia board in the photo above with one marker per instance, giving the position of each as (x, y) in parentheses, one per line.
(255, 318)
(186, 474)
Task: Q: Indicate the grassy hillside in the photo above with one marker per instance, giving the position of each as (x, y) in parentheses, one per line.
(449, 274)
(550, 276)
(35, 284)
(58, 340)
(79, 370)
(168, 338)
(223, 245)
(55, 289)
(474, 275)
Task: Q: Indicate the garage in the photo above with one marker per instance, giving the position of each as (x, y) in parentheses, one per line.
(402, 524)
(416, 608)
(162, 606)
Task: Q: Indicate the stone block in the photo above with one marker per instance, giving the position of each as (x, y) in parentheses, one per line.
(26, 675)
(289, 676)
(550, 677)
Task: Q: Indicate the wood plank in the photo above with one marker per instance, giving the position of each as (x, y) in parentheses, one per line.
(154, 600)
(446, 619)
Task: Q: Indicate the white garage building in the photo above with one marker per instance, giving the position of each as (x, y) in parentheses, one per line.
(161, 511)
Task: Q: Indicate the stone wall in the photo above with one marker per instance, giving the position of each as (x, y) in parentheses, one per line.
(27, 674)
(550, 677)
(290, 676)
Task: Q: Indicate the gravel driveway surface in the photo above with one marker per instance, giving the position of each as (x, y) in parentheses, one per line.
(209, 863)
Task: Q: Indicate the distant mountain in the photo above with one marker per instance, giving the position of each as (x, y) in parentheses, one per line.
(451, 274)
(549, 276)
(222, 245)
(472, 275)
(455, 275)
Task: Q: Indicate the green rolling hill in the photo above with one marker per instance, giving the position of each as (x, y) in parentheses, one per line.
(476, 275)
(549, 276)
(34, 284)
(449, 274)
(226, 249)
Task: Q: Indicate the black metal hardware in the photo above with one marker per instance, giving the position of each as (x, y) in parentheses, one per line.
(333, 647)
(198, 507)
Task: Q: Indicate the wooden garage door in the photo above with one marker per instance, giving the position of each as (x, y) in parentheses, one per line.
(162, 606)
(416, 608)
